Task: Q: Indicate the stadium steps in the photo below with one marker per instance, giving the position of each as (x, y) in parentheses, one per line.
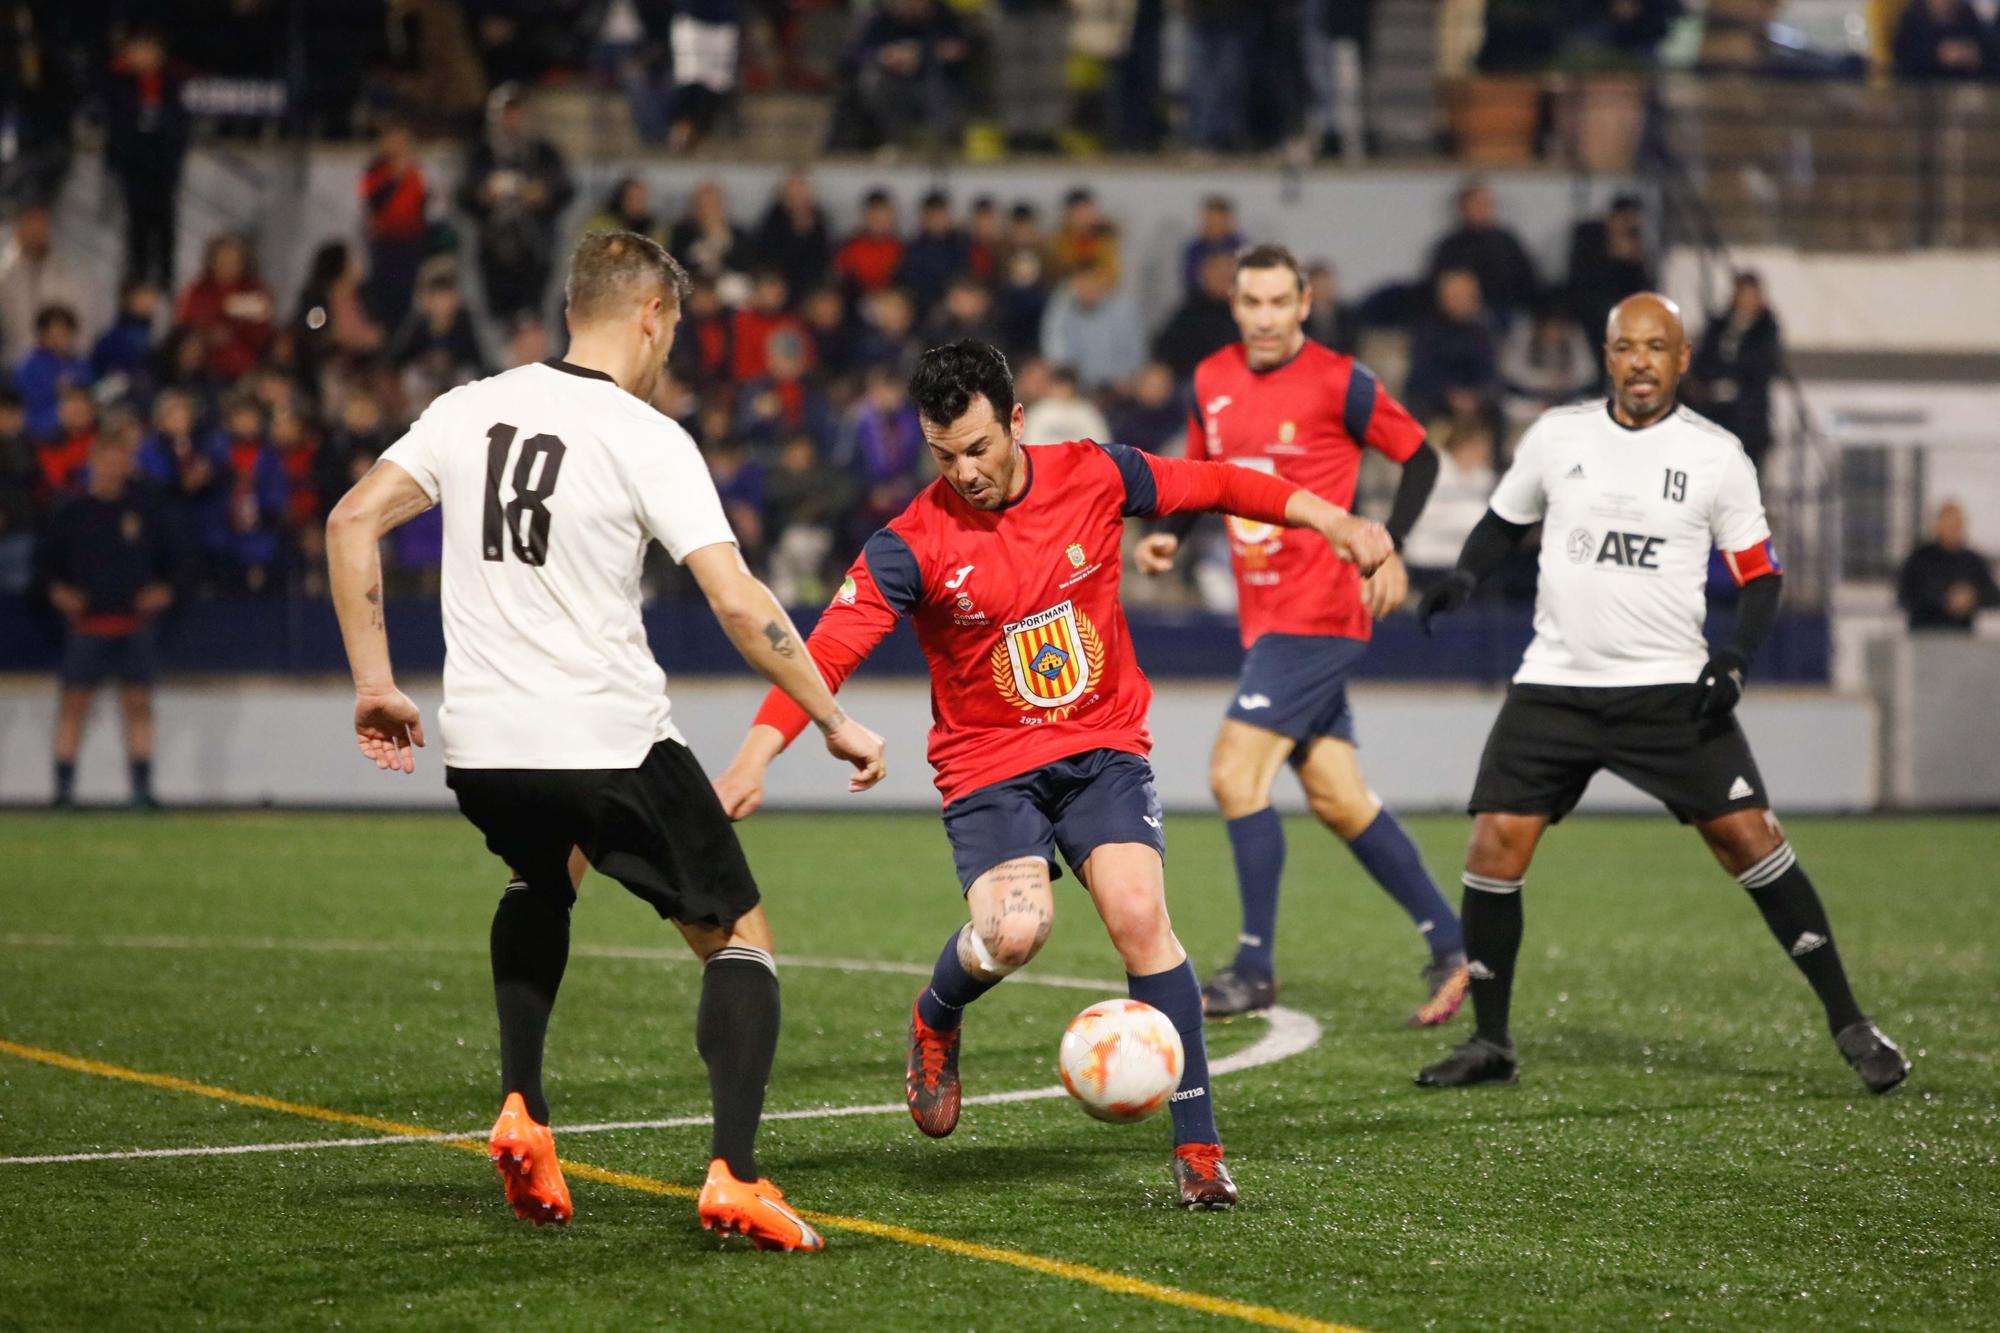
(1402, 90)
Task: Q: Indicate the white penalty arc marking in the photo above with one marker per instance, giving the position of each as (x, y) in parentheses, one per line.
(1288, 1033)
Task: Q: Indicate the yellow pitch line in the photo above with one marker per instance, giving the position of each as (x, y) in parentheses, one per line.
(1117, 1283)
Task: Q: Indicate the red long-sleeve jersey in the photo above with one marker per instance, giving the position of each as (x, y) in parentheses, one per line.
(1017, 609)
(1306, 421)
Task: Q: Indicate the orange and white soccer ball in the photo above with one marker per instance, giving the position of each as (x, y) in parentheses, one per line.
(1122, 1060)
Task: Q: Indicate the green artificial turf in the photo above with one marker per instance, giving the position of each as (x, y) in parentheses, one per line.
(1685, 1146)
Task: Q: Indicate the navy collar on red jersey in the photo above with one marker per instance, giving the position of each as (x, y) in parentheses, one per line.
(567, 368)
(1305, 343)
(1026, 486)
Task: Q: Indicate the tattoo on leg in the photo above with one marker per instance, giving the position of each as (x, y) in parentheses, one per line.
(781, 639)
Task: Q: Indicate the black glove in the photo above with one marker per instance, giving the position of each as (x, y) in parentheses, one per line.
(1448, 595)
(1720, 685)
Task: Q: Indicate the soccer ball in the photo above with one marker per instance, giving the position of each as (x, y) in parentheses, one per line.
(1121, 1060)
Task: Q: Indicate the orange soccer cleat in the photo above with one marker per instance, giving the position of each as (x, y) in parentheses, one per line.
(524, 1153)
(754, 1209)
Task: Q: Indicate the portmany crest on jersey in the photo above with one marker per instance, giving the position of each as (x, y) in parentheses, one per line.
(1048, 660)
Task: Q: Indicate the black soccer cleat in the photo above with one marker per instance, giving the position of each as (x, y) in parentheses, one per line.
(930, 1082)
(1230, 992)
(1202, 1179)
(1476, 1060)
(1880, 1062)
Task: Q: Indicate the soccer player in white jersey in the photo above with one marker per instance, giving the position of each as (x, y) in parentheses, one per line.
(1631, 492)
(557, 734)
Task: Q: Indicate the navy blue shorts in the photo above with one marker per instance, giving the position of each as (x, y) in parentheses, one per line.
(90, 659)
(1076, 805)
(1296, 685)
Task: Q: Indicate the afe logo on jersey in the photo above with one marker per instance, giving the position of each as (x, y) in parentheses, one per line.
(1629, 550)
(1048, 661)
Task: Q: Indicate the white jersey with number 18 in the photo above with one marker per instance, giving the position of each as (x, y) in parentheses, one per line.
(553, 480)
(1628, 518)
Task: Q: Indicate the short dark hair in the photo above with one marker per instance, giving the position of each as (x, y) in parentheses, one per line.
(948, 378)
(50, 315)
(1271, 255)
(608, 267)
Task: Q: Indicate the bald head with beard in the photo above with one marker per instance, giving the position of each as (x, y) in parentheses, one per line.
(1645, 354)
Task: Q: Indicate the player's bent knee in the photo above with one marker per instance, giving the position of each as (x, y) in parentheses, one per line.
(1003, 947)
(1234, 789)
(1348, 814)
(1501, 848)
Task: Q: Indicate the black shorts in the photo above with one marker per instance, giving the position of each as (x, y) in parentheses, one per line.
(658, 829)
(1550, 740)
(90, 659)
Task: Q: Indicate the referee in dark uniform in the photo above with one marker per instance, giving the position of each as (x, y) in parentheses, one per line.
(109, 565)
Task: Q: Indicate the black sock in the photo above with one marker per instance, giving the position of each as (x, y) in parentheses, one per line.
(736, 1031)
(65, 780)
(1791, 908)
(142, 779)
(1491, 914)
(530, 946)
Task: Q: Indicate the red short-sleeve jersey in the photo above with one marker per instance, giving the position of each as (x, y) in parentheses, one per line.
(1306, 421)
(1017, 609)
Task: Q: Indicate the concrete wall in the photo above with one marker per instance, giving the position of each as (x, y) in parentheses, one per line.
(289, 743)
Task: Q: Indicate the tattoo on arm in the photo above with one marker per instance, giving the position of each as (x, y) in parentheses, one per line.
(781, 639)
(374, 596)
(833, 721)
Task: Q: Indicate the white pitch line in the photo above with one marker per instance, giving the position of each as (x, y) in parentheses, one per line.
(1289, 1033)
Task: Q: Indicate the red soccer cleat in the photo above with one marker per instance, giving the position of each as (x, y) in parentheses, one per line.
(524, 1153)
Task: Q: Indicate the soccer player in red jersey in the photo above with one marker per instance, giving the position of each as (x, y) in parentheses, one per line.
(1008, 567)
(1282, 404)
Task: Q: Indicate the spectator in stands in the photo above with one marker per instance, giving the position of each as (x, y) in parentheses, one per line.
(629, 207)
(1061, 413)
(438, 343)
(1491, 251)
(122, 358)
(794, 238)
(527, 342)
(1153, 418)
(888, 331)
(1454, 348)
(867, 261)
(1945, 39)
(244, 540)
(1945, 583)
(706, 36)
(1607, 263)
(296, 446)
(1219, 89)
(1093, 328)
(516, 187)
(703, 353)
(181, 363)
(18, 474)
(785, 401)
(836, 342)
(983, 239)
(966, 314)
(805, 500)
(332, 331)
(739, 483)
(903, 77)
(352, 446)
(705, 241)
(1544, 361)
(1086, 238)
(50, 368)
(1218, 235)
(1330, 321)
(633, 51)
(938, 253)
(768, 311)
(1203, 324)
(882, 449)
(33, 277)
(1022, 292)
(145, 143)
(1467, 459)
(1740, 353)
(230, 308)
(180, 464)
(395, 200)
(110, 566)
(62, 455)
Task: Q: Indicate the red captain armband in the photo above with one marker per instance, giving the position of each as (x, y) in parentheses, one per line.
(1753, 562)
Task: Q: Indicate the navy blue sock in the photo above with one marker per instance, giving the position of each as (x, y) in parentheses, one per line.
(142, 779)
(1177, 994)
(1259, 843)
(1384, 849)
(65, 779)
(943, 1002)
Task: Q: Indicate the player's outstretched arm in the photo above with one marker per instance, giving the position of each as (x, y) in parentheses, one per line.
(757, 624)
(1491, 540)
(1164, 486)
(387, 725)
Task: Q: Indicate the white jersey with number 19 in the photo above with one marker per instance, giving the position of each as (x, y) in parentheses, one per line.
(1628, 518)
(552, 480)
